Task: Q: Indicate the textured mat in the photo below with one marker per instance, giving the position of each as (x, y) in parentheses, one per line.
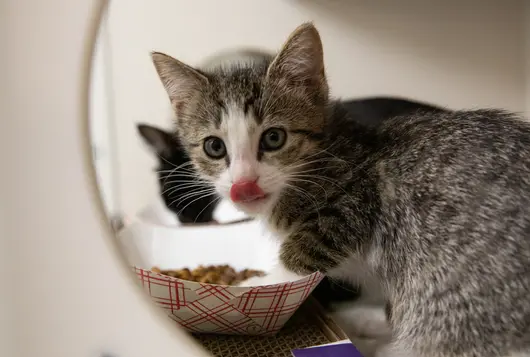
(309, 326)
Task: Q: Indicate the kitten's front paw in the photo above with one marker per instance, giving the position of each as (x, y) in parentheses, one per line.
(290, 259)
(362, 321)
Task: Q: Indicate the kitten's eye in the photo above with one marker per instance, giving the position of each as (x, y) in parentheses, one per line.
(273, 139)
(214, 147)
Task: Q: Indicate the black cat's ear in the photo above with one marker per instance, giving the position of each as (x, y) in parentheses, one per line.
(301, 60)
(159, 140)
(181, 81)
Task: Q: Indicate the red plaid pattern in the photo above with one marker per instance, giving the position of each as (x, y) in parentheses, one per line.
(234, 310)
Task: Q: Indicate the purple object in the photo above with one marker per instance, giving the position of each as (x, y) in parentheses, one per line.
(339, 350)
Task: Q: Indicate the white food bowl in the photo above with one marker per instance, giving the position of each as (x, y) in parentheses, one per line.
(211, 308)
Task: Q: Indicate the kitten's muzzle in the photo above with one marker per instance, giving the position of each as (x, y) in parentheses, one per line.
(246, 191)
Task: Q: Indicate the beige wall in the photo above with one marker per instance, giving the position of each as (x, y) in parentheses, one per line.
(527, 58)
(456, 53)
(7, 344)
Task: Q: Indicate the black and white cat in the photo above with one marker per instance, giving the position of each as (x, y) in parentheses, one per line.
(187, 196)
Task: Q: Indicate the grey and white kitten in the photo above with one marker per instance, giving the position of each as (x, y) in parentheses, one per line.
(435, 205)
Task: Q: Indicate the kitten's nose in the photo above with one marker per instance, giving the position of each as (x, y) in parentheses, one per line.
(245, 191)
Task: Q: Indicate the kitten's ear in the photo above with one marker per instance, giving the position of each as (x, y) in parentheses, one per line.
(301, 59)
(159, 140)
(181, 81)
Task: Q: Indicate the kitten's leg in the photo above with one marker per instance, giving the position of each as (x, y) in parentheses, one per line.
(394, 350)
(362, 320)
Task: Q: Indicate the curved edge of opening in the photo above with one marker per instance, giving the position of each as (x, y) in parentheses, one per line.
(85, 141)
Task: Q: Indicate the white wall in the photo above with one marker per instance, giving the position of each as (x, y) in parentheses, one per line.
(456, 53)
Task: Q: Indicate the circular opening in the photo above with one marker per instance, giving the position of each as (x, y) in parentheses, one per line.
(167, 218)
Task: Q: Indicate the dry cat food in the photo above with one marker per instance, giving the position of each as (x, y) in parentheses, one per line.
(212, 274)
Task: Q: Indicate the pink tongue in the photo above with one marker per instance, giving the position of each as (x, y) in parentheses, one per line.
(245, 191)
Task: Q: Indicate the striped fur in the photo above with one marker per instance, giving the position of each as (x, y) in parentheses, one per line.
(435, 205)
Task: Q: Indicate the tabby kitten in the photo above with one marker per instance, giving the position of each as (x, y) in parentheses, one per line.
(182, 191)
(173, 161)
(435, 205)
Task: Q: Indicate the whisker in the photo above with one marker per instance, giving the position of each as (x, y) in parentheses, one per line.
(332, 182)
(176, 168)
(182, 173)
(199, 191)
(189, 163)
(312, 182)
(180, 200)
(195, 191)
(213, 201)
(308, 195)
(324, 150)
(176, 188)
(200, 197)
(188, 181)
(183, 168)
(317, 169)
(301, 163)
(176, 179)
(185, 176)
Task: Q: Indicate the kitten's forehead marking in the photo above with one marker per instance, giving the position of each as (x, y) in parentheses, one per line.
(240, 130)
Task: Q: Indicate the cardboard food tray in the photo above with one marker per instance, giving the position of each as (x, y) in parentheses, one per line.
(210, 308)
(309, 326)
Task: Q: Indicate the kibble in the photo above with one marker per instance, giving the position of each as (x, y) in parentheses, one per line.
(212, 274)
